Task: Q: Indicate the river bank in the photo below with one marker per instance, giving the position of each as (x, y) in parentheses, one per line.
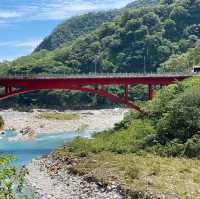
(63, 184)
(95, 120)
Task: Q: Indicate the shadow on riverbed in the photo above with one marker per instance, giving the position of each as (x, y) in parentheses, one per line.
(26, 151)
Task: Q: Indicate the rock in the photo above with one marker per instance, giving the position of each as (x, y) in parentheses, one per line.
(11, 129)
(28, 131)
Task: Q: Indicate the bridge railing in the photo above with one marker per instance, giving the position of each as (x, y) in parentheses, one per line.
(91, 75)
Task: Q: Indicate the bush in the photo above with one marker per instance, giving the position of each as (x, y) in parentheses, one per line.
(192, 147)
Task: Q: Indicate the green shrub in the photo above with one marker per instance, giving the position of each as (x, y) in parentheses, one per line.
(133, 171)
(11, 179)
(192, 147)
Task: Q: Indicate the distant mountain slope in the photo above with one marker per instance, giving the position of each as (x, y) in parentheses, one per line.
(74, 27)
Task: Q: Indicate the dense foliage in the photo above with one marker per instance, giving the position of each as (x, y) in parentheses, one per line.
(182, 62)
(176, 116)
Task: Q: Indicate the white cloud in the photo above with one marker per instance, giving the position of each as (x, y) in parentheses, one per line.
(9, 14)
(2, 59)
(56, 9)
(29, 44)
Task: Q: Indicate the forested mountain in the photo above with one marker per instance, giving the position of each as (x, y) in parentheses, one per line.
(74, 27)
(136, 40)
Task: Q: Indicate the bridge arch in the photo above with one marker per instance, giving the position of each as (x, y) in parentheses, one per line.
(99, 92)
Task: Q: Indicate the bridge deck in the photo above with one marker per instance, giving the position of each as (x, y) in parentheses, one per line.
(91, 83)
(96, 76)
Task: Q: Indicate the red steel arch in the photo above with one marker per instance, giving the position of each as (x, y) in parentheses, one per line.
(92, 84)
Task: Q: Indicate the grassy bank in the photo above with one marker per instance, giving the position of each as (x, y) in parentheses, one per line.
(147, 174)
(156, 155)
(58, 116)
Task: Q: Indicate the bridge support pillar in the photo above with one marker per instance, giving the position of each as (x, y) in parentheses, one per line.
(8, 90)
(126, 92)
(150, 91)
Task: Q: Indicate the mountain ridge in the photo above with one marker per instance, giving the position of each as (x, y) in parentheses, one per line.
(76, 26)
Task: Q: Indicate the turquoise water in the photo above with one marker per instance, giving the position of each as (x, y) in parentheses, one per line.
(42, 145)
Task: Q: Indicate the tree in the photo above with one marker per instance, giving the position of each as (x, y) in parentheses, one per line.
(180, 15)
(152, 21)
(167, 1)
(170, 29)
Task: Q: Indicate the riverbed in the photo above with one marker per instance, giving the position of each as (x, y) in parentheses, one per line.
(49, 134)
(94, 120)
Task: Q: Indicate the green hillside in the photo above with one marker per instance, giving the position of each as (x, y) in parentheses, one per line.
(136, 39)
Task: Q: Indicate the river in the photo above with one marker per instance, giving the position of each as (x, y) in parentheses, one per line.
(43, 144)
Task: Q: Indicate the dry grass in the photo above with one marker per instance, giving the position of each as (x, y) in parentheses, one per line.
(169, 177)
(58, 116)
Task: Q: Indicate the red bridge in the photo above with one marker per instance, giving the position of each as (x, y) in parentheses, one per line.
(95, 84)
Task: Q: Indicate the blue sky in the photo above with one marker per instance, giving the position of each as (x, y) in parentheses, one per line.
(24, 23)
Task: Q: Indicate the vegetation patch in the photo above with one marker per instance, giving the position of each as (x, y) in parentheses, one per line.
(58, 116)
(147, 174)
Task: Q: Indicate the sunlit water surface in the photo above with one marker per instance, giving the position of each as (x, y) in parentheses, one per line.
(25, 151)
